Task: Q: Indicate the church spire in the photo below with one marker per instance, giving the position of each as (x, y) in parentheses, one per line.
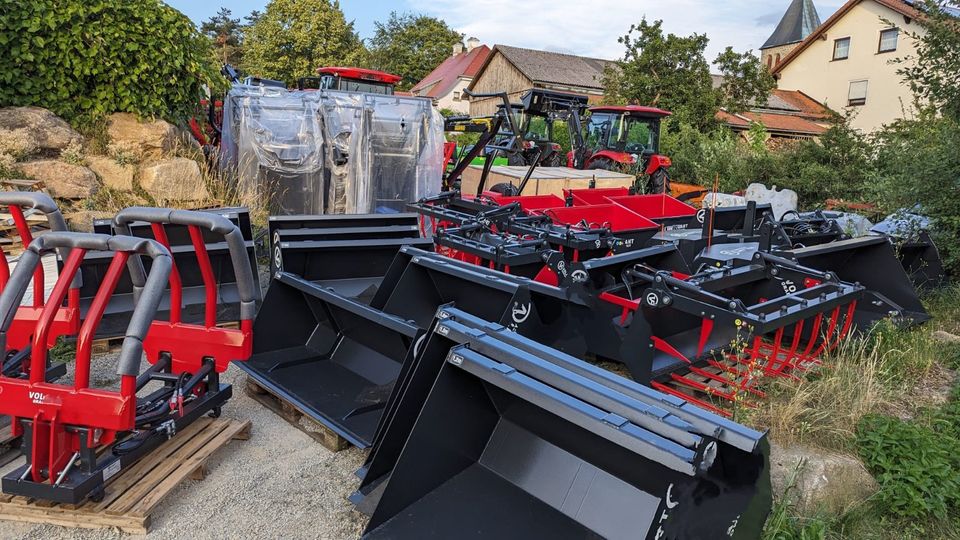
(800, 20)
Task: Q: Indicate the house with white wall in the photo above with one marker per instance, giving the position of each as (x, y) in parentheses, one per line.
(849, 63)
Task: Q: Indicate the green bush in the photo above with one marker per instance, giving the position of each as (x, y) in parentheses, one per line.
(838, 166)
(83, 59)
(917, 163)
(915, 464)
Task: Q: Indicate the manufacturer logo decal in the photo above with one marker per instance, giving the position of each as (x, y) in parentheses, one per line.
(520, 313)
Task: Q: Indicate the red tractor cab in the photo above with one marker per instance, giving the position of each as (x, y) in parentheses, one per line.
(625, 138)
(351, 79)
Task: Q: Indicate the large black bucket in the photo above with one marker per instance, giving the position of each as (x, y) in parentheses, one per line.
(515, 440)
(337, 359)
(118, 311)
(349, 253)
(871, 262)
(921, 261)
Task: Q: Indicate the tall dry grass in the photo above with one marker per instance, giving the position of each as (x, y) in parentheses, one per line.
(878, 372)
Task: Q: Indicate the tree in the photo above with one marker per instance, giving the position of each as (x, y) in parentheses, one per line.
(411, 46)
(292, 38)
(672, 72)
(746, 81)
(932, 72)
(226, 34)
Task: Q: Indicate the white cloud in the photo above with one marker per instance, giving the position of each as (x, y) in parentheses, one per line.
(591, 27)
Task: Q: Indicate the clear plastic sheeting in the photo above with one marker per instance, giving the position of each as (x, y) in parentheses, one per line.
(313, 152)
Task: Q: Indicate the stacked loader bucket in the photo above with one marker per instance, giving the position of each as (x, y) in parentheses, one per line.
(496, 435)
(871, 262)
(349, 253)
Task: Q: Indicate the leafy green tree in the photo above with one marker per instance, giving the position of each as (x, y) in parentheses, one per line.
(411, 46)
(292, 38)
(746, 81)
(672, 72)
(226, 34)
(83, 59)
(932, 72)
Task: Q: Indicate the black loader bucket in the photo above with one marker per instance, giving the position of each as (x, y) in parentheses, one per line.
(349, 253)
(517, 440)
(921, 260)
(871, 262)
(337, 359)
(117, 314)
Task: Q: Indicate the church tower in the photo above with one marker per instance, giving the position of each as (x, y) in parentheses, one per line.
(800, 20)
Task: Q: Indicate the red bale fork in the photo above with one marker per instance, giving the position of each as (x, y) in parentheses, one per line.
(77, 437)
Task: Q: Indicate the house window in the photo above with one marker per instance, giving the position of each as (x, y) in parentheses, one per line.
(769, 61)
(456, 96)
(778, 59)
(841, 49)
(888, 40)
(858, 94)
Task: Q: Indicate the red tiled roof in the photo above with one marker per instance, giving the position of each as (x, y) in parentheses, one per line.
(900, 6)
(777, 123)
(443, 78)
(809, 108)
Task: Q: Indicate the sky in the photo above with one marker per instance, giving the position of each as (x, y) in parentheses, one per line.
(582, 27)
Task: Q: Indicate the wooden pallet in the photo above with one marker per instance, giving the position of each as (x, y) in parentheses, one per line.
(10, 241)
(132, 495)
(296, 417)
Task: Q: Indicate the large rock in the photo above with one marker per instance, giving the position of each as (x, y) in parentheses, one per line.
(47, 133)
(822, 480)
(82, 220)
(63, 180)
(149, 140)
(112, 174)
(177, 179)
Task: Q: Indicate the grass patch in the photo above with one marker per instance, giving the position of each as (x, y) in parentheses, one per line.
(880, 397)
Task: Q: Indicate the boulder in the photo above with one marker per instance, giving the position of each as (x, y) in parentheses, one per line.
(112, 174)
(176, 179)
(82, 220)
(148, 139)
(47, 132)
(821, 480)
(62, 180)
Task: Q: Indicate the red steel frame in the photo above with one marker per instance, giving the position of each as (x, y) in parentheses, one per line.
(66, 321)
(52, 406)
(190, 344)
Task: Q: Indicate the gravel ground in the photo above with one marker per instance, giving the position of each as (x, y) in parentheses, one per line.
(279, 484)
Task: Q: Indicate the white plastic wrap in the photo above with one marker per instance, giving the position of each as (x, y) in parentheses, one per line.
(333, 152)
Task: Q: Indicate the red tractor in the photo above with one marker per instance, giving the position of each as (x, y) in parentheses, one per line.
(624, 138)
(351, 79)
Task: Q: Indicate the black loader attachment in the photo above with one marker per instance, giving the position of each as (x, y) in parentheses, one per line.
(497, 436)
(349, 253)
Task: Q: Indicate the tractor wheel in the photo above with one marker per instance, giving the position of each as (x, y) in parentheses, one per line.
(506, 189)
(659, 182)
(555, 160)
(605, 164)
(517, 160)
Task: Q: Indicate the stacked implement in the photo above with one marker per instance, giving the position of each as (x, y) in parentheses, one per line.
(183, 246)
(78, 437)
